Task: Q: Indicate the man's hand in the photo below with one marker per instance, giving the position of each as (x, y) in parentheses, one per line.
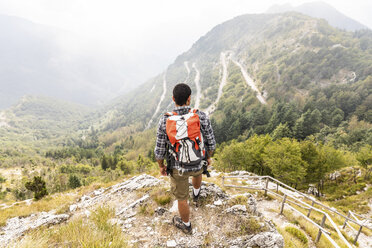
(163, 168)
(163, 171)
(209, 160)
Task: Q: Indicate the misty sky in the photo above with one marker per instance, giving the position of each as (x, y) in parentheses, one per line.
(152, 26)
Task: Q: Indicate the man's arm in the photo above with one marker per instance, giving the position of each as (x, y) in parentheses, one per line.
(160, 149)
(208, 135)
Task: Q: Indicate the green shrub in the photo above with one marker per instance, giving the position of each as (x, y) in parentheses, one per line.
(297, 233)
(74, 182)
(37, 186)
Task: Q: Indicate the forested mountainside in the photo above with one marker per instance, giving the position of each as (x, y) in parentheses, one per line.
(256, 72)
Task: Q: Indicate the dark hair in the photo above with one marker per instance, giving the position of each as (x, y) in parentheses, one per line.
(181, 93)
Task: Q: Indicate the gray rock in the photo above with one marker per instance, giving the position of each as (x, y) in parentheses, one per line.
(262, 240)
(16, 227)
(210, 190)
(236, 209)
(132, 205)
(135, 183)
(171, 243)
(335, 175)
(252, 204)
(160, 211)
(239, 173)
(73, 207)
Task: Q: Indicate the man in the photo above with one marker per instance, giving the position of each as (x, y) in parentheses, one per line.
(180, 181)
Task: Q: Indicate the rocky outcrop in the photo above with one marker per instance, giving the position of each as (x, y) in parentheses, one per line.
(17, 226)
(215, 221)
(262, 240)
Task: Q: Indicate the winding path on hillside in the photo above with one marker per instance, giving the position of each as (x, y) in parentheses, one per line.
(213, 106)
(161, 100)
(186, 63)
(250, 82)
(197, 84)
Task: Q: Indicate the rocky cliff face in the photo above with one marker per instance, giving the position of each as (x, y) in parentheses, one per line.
(219, 219)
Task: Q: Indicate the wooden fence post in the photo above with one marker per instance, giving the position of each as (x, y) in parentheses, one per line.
(320, 231)
(357, 236)
(266, 186)
(282, 208)
(312, 204)
(277, 187)
(348, 215)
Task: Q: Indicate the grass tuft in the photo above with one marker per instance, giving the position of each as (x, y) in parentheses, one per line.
(297, 233)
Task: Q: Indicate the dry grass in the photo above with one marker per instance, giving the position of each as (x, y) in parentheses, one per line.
(161, 196)
(297, 234)
(290, 241)
(60, 202)
(93, 232)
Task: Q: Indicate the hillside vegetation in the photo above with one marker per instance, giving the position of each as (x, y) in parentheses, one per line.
(316, 118)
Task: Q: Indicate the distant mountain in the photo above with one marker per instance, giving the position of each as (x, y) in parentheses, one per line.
(252, 74)
(321, 10)
(41, 60)
(42, 119)
(287, 55)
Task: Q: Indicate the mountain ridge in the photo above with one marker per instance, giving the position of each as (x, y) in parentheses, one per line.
(323, 10)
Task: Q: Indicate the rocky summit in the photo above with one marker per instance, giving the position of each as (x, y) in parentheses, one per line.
(219, 219)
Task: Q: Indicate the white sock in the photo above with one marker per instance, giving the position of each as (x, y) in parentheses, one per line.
(187, 223)
(196, 191)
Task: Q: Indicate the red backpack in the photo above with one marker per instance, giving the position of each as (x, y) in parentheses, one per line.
(186, 140)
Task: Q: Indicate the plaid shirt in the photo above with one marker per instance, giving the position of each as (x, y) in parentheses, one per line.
(205, 126)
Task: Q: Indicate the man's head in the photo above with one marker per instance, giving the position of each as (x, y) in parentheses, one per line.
(181, 94)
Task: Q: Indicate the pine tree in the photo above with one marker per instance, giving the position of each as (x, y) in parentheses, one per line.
(104, 162)
(38, 186)
(74, 181)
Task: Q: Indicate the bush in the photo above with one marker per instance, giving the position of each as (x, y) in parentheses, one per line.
(297, 233)
(37, 186)
(74, 181)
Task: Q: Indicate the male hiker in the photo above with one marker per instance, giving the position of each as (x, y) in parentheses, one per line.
(185, 139)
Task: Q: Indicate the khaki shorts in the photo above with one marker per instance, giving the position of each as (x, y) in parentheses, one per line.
(180, 184)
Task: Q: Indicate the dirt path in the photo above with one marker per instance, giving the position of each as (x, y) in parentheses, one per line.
(186, 63)
(250, 82)
(267, 209)
(197, 84)
(213, 106)
(161, 100)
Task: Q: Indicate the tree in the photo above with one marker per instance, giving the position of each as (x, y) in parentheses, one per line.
(281, 131)
(104, 162)
(283, 157)
(74, 181)
(364, 157)
(37, 186)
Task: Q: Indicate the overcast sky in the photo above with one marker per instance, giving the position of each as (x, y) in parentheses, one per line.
(165, 25)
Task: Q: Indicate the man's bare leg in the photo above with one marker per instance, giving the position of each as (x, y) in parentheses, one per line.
(196, 181)
(183, 209)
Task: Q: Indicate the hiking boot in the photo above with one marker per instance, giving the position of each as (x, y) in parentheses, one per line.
(177, 221)
(195, 198)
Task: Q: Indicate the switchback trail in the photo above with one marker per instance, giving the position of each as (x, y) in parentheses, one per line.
(186, 63)
(213, 106)
(197, 84)
(250, 82)
(161, 100)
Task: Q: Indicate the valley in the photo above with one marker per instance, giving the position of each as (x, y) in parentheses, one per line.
(288, 96)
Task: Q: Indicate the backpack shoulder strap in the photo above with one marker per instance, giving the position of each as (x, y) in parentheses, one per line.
(170, 113)
(195, 111)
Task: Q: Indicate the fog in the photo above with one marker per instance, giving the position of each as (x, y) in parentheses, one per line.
(130, 41)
